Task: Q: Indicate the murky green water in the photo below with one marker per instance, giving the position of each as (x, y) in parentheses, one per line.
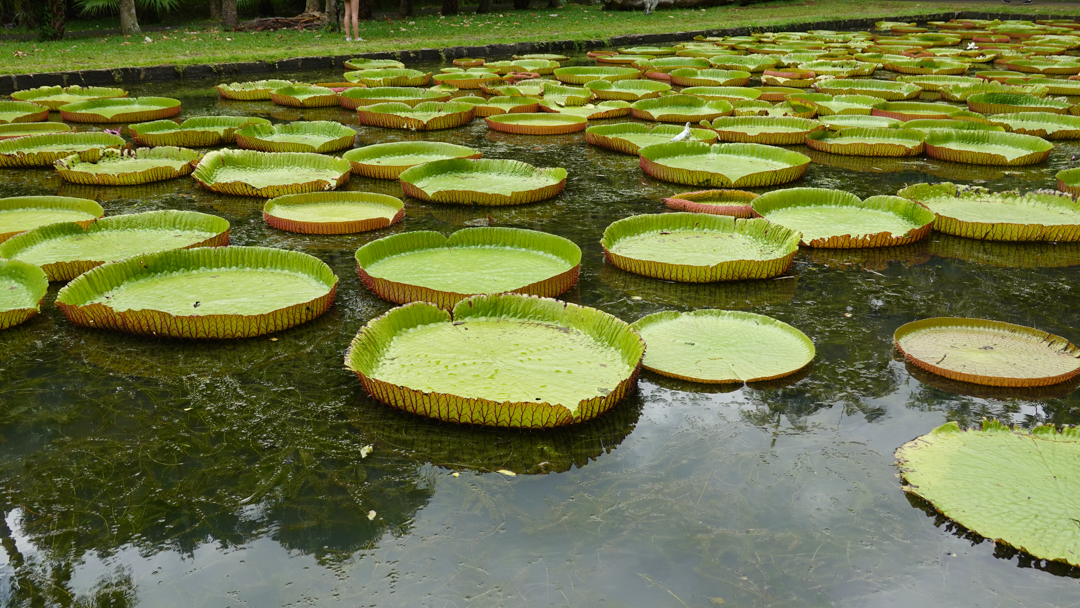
(158, 473)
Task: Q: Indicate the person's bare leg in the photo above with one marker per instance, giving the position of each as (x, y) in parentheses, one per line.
(354, 5)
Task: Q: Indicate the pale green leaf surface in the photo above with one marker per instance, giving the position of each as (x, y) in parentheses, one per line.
(470, 270)
(109, 245)
(696, 247)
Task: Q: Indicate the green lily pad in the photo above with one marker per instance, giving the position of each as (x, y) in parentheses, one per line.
(354, 98)
(728, 94)
(268, 174)
(837, 219)
(251, 91)
(197, 132)
(213, 292)
(844, 104)
(883, 89)
(926, 65)
(868, 142)
(22, 111)
(1005, 103)
(64, 251)
(699, 247)
(482, 182)
(599, 111)
(55, 96)
(630, 138)
(987, 148)
(22, 288)
(709, 78)
(44, 150)
(567, 96)
(627, 90)
(722, 346)
(926, 125)
(390, 77)
(849, 121)
(22, 129)
(301, 136)
(333, 212)
(1039, 124)
(129, 167)
(361, 63)
(723, 165)
(22, 213)
(978, 213)
(425, 116)
(429, 267)
(470, 79)
(780, 131)
(120, 109)
(495, 106)
(581, 75)
(537, 123)
(388, 161)
(680, 109)
(748, 63)
(498, 360)
(988, 352)
(304, 96)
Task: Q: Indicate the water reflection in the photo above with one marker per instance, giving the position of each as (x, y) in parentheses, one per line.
(1004, 255)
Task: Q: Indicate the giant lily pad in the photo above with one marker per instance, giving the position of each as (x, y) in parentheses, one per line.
(722, 346)
(987, 147)
(468, 79)
(537, 123)
(868, 142)
(22, 288)
(581, 75)
(302, 136)
(22, 111)
(630, 138)
(627, 90)
(129, 167)
(978, 213)
(749, 63)
(64, 251)
(498, 360)
(925, 125)
(482, 182)
(1068, 180)
(1014, 487)
(222, 292)
(883, 89)
(361, 63)
(850, 121)
(1004, 103)
(709, 78)
(197, 132)
(735, 203)
(251, 91)
(699, 247)
(426, 116)
(598, 111)
(22, 129)
(304, 96)
(388, 161)
(567, 96)
(921, 110)
(54, 97)
(120, 109)
(837, 219)
(988, 352)
(268, 174)
(926, 65)
(352, 99)
(21, 213)
(333, 212)
(429, 267)
(495, 106)
(764, 130)
(680, 109)
(44, 150)
(723, 165)
(1043, 66)
(390, 77)
(845, 104)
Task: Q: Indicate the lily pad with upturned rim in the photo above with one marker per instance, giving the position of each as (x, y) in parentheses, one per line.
(482, 108)
(44, 150)
(699, 247)
(581, 75)
(1014, 487)
(129, 167)
(723, 165)
(680, 109)
(482, 182)
(19, 214)
(390, 77)
(978, 213)
(603, 110)
(1005, 103)
(362, 63)
(837, 219)
(883, 89)
(926, 125)
(64, 251)
(22, 111)
(709, 78)
(333, 212)
(56, 96)
(22, 288)
(528, 362)
(304, 96)
(845, 104)
(301, 136)
(987, 148)
(988, 352)
(123, 109)
(839, 122)
(269, 174)
(425, 116)
(23, 129)
(256, 90)
(630, 138)
(734, 203)
(627, 90)
(919, 110)
(537, 123)
(779, 131)
(868, 142)
(352, 99)
(728, 94)
(1068, 180)
(429, 267)
(565, 95)
(467, 79)
(388, 161)
(198, 132)
(1039, 124)
(204, 293)
(722, 346)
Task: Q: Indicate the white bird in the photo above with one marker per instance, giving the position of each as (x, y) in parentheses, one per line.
(685, 133)
(972, 46)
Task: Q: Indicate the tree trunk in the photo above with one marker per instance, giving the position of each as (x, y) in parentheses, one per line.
(311, 6)
(129, 21)
(484, 7)
(449, 7)
(521, 4)
(554, 4)
(363, 10)
(215, 10)
(405, 8)
(55, 21)
(229, 20)
(332, 17)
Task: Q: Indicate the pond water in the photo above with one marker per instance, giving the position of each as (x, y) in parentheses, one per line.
(258, 472)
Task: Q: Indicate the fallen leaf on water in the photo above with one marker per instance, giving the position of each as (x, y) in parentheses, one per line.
(364, 451)
(507, 473)
(370, 515)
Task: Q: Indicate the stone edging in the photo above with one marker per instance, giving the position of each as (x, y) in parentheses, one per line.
(163, 73)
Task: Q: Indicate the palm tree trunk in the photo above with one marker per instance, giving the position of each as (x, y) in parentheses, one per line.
(229, 20)
(129, 21)
(215, 10)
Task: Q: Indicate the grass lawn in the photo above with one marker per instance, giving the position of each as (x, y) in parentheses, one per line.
(200, 44)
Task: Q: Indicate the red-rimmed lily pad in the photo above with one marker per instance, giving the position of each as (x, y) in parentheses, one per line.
(333, 212)
(269, 174)
(782, 131)
(56, 96)
(987, 148)
(19, 214)
(44, 150)
(988, 352)
(64, 251)
(977, 213)
(722, 346)
(352, 99)
(537, 123)
(123, 109)
(198, 132)
(699, 247)
(204, 293)
(503, 374)
(22, 111)
(426, 116)
(838, 219)
(630, 138)
(482, 182)
(129, 167)
(22, 129)
(301, 136)
(426, 266)
(388, 161)
(735, 203)
(680, 109)
(868, 142)
(723, 165)
(22, 288)
(304, 96)
(256, 90)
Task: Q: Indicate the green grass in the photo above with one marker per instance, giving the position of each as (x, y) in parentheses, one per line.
(199, 44)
